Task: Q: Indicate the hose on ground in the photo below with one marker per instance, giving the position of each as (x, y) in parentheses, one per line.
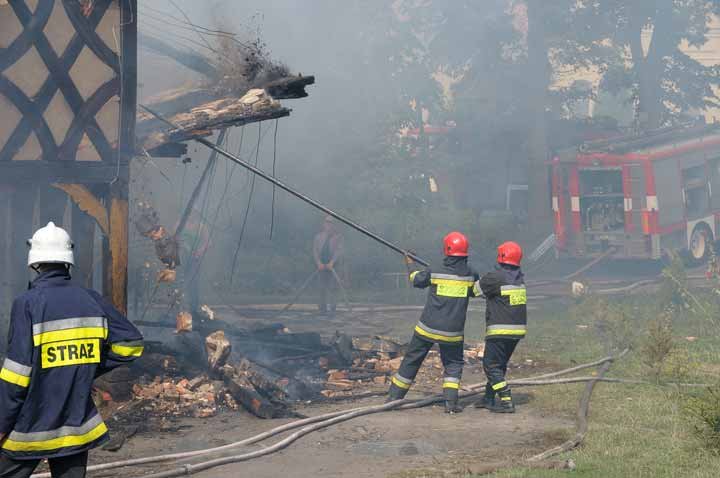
(472, 390)
(401, 405)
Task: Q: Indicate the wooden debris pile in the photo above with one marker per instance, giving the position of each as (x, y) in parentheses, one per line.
(199, 397)
(265, 371)
(375, 359)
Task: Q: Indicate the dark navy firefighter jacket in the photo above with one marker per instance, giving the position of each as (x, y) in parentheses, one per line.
(61, 338)
(443, 318)
(506, 312)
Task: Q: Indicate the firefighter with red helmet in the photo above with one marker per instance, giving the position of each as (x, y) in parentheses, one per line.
(506, 323)
(442, 321)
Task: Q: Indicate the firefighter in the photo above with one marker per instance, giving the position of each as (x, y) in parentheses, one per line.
(328, 250)
(61, 338)
(442, 321)
(506, 323)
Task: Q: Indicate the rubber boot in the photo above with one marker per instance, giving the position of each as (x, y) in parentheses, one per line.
(395, 393)
(488, 400)
(503, 403)
(451, 400)
(452, 407)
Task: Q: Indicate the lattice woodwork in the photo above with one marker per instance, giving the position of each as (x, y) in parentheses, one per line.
(64, 81)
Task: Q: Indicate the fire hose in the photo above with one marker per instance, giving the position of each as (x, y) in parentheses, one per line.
(311, 424)
(259, 172)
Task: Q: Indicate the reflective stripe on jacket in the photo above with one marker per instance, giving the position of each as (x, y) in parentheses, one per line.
(445, 312)
(61, 338)
(506, 312)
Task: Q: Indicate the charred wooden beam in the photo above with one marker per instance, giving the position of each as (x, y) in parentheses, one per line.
(199, 122)
(292, 87)
(245, 393)
(184, 99)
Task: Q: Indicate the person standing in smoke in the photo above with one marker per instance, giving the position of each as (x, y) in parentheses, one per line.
(328, 251)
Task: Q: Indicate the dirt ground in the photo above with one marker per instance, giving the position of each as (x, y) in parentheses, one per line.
(370, 446)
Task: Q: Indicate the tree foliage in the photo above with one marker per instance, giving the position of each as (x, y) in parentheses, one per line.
(646, 42)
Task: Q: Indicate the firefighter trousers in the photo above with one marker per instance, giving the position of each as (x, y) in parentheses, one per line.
(452, 359)
(495, 361)
(72, 466)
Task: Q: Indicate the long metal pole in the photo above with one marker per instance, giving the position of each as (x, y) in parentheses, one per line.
(295, 193)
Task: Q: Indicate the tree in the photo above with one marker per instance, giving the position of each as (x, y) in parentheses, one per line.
(647, 37)
(539, 69)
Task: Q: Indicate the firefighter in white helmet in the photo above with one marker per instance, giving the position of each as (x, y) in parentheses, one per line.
(61, 338)
(50, 245)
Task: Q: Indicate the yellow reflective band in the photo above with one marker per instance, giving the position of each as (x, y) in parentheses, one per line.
(56, 443)
(14, 378)
(413, 274)
(476, 289)
(451, 385)
(127, 351)
(398, 383)
(506, 332)
(505, 399)
(70, 334)
(500, 385)
(70, 352)
(442, 338)
(452, 288)
(516, 296)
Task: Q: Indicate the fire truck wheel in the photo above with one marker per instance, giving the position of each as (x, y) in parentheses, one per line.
(701, 242)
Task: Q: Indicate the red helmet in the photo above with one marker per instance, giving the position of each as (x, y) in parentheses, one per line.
(455, 244)
(510, 253)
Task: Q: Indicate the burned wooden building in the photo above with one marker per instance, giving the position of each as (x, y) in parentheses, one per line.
(69, 127)
(67, 97)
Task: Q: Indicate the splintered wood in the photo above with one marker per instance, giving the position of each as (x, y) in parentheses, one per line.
(217, 348)
(199, 397)
(200, 121)
(183, 322)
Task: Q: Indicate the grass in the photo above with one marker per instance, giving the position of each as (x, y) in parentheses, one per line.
(635, 430)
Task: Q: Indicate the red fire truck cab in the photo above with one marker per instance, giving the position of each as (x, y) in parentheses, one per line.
(639, 195)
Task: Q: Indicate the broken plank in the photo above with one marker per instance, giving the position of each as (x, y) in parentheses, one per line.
(292, 87)
(245, 393)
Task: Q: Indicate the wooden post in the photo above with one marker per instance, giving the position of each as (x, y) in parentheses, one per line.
(119, 250)
(115, 246)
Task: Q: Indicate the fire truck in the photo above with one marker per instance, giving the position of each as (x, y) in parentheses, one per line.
(639, 195)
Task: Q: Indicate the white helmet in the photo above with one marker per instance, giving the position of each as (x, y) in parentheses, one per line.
(50, 245)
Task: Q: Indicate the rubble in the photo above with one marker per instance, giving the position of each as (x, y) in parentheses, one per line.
(265, 371)
(217, 348)
(167, 275)
(183, 322)
(198, 398)
(148, 224)
(207, 312)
